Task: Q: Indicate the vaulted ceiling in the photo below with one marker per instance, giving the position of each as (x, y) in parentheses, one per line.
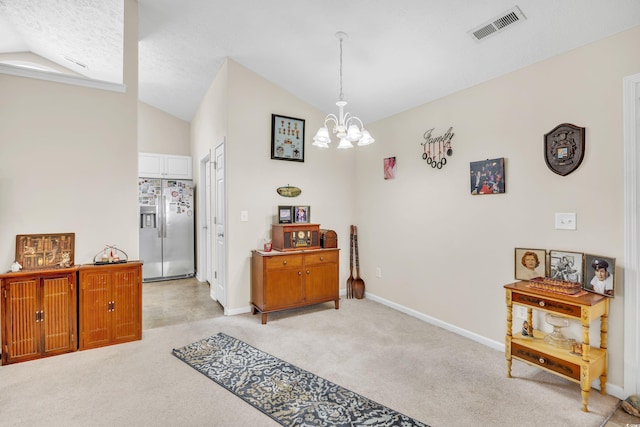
(399, 54)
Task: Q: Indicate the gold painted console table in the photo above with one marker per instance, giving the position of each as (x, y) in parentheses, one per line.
(581, 369)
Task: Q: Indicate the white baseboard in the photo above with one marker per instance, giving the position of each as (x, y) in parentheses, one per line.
(241, 310)
(437, 322)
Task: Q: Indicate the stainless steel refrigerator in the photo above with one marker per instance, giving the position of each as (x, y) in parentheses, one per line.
(166, 228)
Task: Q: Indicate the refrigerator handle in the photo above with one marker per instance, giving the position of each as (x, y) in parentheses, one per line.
(164, 216)
(160, 214)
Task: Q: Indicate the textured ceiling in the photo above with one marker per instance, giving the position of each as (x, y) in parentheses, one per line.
(399, 54)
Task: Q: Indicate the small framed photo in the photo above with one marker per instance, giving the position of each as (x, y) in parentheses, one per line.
(487, 176)
(599, 274)
(565, 266)
(287, 138)
(284, 215)
(389, 166)
(302, 214)
(530, 263)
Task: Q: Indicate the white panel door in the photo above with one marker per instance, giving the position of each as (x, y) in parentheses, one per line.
(220, 220)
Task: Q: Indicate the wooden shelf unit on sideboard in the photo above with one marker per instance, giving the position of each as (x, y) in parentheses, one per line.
(582, 369)
(39, 317)
(284, 280)
(110, 304)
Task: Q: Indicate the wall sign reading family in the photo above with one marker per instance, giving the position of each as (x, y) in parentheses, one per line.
(287, 138)
(435, 148)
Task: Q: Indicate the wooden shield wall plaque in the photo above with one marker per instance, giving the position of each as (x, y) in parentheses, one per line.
(564, 148)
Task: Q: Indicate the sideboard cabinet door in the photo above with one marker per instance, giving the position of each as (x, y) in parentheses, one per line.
(110, 304)
(38, 314)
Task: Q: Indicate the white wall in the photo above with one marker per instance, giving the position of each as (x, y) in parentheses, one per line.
(162, 133)
(68, 158)
(446, 253)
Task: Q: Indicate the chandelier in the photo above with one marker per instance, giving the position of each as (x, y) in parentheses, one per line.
(345, 126)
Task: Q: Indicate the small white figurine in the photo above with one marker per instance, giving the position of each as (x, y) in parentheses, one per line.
(16, 266)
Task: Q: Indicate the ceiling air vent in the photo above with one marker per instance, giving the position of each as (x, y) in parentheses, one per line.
(498, 24)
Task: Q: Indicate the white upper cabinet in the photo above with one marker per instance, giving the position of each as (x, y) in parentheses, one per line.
(152, 165)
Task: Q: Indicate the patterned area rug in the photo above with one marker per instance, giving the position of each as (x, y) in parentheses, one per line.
(288, 394)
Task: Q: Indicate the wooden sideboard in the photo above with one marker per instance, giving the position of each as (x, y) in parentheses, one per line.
(110, 304)
(284, 280)
(38, 314)
(585, 307)
(55, 311)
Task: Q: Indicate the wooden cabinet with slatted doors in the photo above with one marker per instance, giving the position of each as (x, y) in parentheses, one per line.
(110, 304)
(39, 314)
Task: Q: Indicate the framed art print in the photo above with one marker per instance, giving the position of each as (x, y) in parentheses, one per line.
(39, 251)
(302, 214)
(565, 266)
(284, 215)
(389, 166)
(487, 176)
(599, 274)
(287, 138)
(530, 263)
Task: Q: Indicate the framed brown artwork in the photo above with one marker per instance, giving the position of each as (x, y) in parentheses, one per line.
(38, 251)
(287, 138)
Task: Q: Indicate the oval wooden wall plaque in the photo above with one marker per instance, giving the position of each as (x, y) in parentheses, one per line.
(289, 191)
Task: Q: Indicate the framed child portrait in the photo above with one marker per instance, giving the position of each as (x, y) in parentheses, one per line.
(566, 266)
(302, 214)
(530, 263)
(599, 274)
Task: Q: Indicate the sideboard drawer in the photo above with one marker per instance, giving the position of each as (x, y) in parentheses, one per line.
(283, 261)
(322, 258)
(541, 303)
(538, 358)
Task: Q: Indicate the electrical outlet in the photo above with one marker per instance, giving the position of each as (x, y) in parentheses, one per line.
(378, 272)
(520, 312)
(244, 216)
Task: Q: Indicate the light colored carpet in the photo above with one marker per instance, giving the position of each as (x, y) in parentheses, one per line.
(418, 369)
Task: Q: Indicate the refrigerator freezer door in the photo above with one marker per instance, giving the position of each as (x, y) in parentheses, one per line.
(178, 232)
(150, 242)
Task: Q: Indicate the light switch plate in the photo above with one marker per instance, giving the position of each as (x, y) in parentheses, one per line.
(244, 216)
(566, 221)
